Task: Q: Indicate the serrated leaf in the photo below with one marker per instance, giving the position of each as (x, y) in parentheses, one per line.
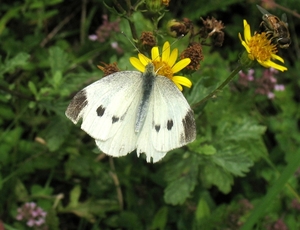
(17, 61)
(233, 159)
(181, 186)
(56, 132)
(214, 175)
(58, 59)
(240, 129)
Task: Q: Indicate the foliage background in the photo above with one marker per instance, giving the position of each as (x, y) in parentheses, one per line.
(240, 173)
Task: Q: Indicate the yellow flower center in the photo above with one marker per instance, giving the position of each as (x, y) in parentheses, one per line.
(163, 69)
(261, 47)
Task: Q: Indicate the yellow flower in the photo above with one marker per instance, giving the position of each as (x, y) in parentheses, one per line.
(260, 48)
(164, 65)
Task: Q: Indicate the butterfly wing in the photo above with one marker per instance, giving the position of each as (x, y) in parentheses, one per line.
(107, 108)
(169, 123)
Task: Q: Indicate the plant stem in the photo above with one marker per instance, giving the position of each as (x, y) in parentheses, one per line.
(274, 190)
(220, 87)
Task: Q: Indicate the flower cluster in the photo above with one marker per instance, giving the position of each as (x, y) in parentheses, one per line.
(33, 215)
(104, 32)
(265, 85)
(260, 48)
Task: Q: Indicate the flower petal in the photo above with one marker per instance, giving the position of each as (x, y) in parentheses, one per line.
(173, 57)
(276, 66)
(166, 52)
(181, 64)
(182, 81)
(247, 31)
(178, 86)
(137, 64)
(144, 60)
(276, 57)
(155, 54)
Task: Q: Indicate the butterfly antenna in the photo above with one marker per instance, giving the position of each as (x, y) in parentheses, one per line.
(130, 41)
(176, 40)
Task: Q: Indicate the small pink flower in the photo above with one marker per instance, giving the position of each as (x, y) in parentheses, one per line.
(33, 215)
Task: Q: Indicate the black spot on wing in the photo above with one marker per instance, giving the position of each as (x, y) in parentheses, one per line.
(157, 128)
(77, 104)
(115, 119)
(189, 126)
(100, 111)
(169, 124)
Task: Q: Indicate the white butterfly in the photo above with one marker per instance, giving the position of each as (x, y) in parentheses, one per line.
(131, 110)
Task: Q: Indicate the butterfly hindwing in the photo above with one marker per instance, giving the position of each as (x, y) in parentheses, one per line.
(169, 123)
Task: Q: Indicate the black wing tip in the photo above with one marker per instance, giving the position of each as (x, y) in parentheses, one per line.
(189, 126)
(77, 104)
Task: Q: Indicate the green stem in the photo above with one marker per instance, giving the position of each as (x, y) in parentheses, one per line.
(268, 199)
(220, 87)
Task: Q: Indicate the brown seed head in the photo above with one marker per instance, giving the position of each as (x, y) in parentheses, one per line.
(108, 68)
(194, 52)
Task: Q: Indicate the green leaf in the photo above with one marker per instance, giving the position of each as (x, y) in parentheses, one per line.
(11, 13)
(56, 132)
(6, 111)
(214, 175)
(232, 159)
(74, 196)
(11, 64)
(38, 190)
(20, 191)
(32, 88)
(203, 209)
(207, 149)
(90, 208)
(160, 219)
(57, 77)
(183, 181)
(240, 129)
(129, 220)
(58, 59)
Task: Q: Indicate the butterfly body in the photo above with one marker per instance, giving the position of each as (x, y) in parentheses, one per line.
(131, 110)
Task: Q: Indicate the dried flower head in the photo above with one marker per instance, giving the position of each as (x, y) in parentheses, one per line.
(179, 28)
(148, 40)
(194, 52)
(165, 2)
(213, 29)
(108, 68)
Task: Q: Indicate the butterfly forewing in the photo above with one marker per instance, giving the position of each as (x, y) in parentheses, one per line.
(106, 104)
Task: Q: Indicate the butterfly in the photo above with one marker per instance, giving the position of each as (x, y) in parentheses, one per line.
(131, 110)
